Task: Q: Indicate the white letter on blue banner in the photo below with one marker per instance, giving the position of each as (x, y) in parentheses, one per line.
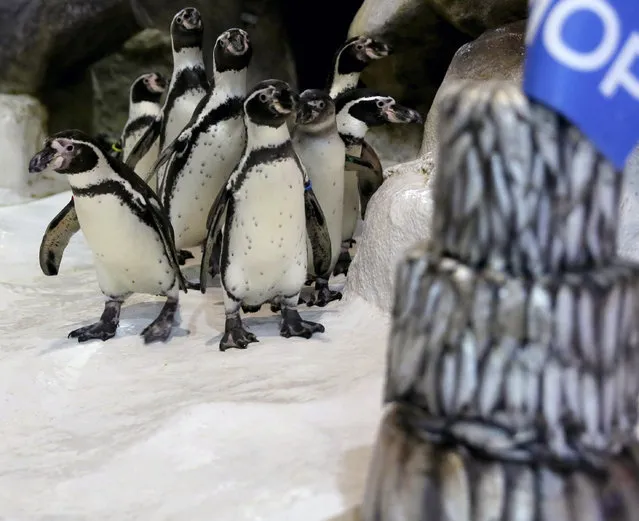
(582, 60)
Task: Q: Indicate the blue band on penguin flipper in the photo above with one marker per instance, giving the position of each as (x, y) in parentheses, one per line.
(307, 186)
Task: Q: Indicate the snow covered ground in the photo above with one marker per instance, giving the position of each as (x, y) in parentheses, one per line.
(178, 431)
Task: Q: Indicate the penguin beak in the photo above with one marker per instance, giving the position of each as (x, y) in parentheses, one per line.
(286, 101)
(41, 160)
(304, 114)
(378, 49)
(157, 83)
(191, 19)
(54, 154)
(237, 43)
(398, 114)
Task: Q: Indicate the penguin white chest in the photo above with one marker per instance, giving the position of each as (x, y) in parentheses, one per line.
(266, 255)
(212, 159)
(351, 198)
(128, 253)
(323, 159)
(181, 113)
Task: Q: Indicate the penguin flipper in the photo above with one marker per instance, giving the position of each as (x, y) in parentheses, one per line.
(318, 233)
(57, 237)
(165, 229)
(145, 143)
(213, 229)
(369, 179)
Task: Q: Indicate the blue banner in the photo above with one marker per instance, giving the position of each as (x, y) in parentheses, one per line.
(582, 60)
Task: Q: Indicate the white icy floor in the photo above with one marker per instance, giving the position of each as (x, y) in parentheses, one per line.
(177, 431)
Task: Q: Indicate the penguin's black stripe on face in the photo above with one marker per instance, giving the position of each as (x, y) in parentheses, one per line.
(231, 108)
(187, 29)
(139, 123)
(183, 39)
(353, 95)
(115, 188)
(225, 61)
(140, 92)
(259, 156)
(84, 159)
(369, 111)
(348, 60)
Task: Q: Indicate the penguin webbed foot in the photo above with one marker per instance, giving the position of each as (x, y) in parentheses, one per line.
(294, 325)
(183, 256)
(323, 295)
(160, 329)
(196, 286)
(98, 331)
(105, 328)
(343, 263)
(235, 335)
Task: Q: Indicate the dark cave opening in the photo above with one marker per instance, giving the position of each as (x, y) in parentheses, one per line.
(315, 33)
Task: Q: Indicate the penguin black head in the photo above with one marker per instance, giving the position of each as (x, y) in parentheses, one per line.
(232, 51)
(270, 103)
(187, 29)
(67, 152)
(316, 110)
(358, 52)
(148, 87)
(360, 109)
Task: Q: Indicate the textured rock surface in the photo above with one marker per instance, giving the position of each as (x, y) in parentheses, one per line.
(42, 42)
(22, 131)
(148, 51)
(398, 215)
(497, 55)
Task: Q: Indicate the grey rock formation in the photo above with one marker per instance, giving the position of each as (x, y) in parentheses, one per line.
(42, 42)
(497, 54)
(399, 214)
(148, 51)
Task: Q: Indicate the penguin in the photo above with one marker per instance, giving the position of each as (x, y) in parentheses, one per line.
(357, 111)
(351, 59)
(321, 150)
(203, 156)
(144, 108)
(125, 227)
(265, 204)
(188, 85)
(65, 224)
(348, 63)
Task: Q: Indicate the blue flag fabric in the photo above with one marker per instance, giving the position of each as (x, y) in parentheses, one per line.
(582, 60)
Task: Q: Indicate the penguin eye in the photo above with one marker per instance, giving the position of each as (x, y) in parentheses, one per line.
(179, 20)
(359, 46)
(321, 105)
(69, 148)
(380, 103)
(263, 97)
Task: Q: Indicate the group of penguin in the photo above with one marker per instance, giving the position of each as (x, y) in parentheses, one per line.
(270, 184)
